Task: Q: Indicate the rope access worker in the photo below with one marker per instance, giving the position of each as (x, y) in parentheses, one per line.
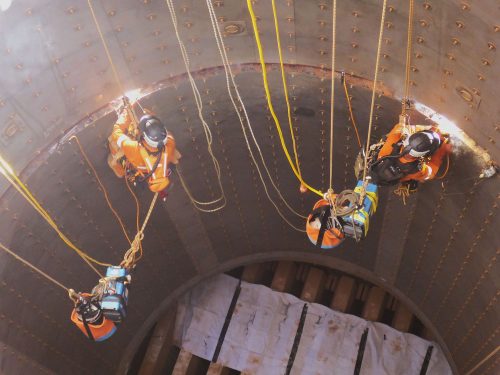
(410, 158)
(148, 157)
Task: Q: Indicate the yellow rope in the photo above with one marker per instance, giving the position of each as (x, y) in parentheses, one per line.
(130, 257)
(9, 174)
(349, 105)
(406, 96)
(34, 268)
(332, 99)
(104, 191)
(137, 211)
(268, 97)
(377, 62)
(105, 45)
(285, 88)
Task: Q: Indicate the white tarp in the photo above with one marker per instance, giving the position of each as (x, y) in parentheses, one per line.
(263, 327)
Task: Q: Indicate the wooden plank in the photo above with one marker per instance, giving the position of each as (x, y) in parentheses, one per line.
(344, 294)
(284, 276)
(402, 318)
(373, 307)
(313, 286)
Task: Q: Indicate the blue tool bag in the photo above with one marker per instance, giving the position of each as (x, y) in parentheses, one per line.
(115, 296)
(357, 223)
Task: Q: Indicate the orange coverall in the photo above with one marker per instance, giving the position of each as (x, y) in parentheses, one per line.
(430, 167)
(140, 155)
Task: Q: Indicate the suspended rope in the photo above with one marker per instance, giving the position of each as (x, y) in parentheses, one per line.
(374, 90)
(332, 92)
(285, 87)
(406, 97)
(269, 102)
(137, 208)
(231, 84)
(105, 45)
(199, 105)
(134, 253)
(33, 267)
(104, 191)
(21, 188)
(349, 105)
(484, 360)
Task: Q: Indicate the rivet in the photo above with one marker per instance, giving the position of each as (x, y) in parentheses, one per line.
(151, 16)
(165, 61)
(491, 46)
(322, 52)
(450, 56)
(480, 77)
(222, 19)
(322, 6)
(78, 27)
(355, 29)
(420, 40)
(447, 72)
(485, 62)
(418, 55)
(323, 38)
(71, 10)
(322, 23)
(290, 19)
(460, 24)
(156, 33)
(427, 6)
(389, 25)
(496, 28)
(291, 48)
(184, 9)
(93, 58)
(466, 118)
(37, 94)
(188, 24)
(218, 3)
(19, 66)
(387, 41)
(355, 13)
(112, 13)
(423, 23)
(455, 41)
(118, 29)
(414, 69)
(391, 9)
(354, 45)
(465, 6)
(413, 83)
(383, 69)
(28, 12)
(353, 59)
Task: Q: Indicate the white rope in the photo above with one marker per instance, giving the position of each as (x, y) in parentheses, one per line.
(199, 105)
(229, 81)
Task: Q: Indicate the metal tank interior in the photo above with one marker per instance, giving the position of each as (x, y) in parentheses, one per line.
(437, 254)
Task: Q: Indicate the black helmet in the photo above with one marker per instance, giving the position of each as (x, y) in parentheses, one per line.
(422, 143)
(153, 132)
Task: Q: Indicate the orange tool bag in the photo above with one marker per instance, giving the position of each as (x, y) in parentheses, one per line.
(321, 228)
(88, 317)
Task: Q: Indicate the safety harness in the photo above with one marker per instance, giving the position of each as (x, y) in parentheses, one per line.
(388, 170)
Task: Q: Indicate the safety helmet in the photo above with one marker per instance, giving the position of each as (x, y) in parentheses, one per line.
(153, 132)
(422, 143)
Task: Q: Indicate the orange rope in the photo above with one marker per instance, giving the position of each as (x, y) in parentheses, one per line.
(105, 192)
(447, 168)
(353, 121)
